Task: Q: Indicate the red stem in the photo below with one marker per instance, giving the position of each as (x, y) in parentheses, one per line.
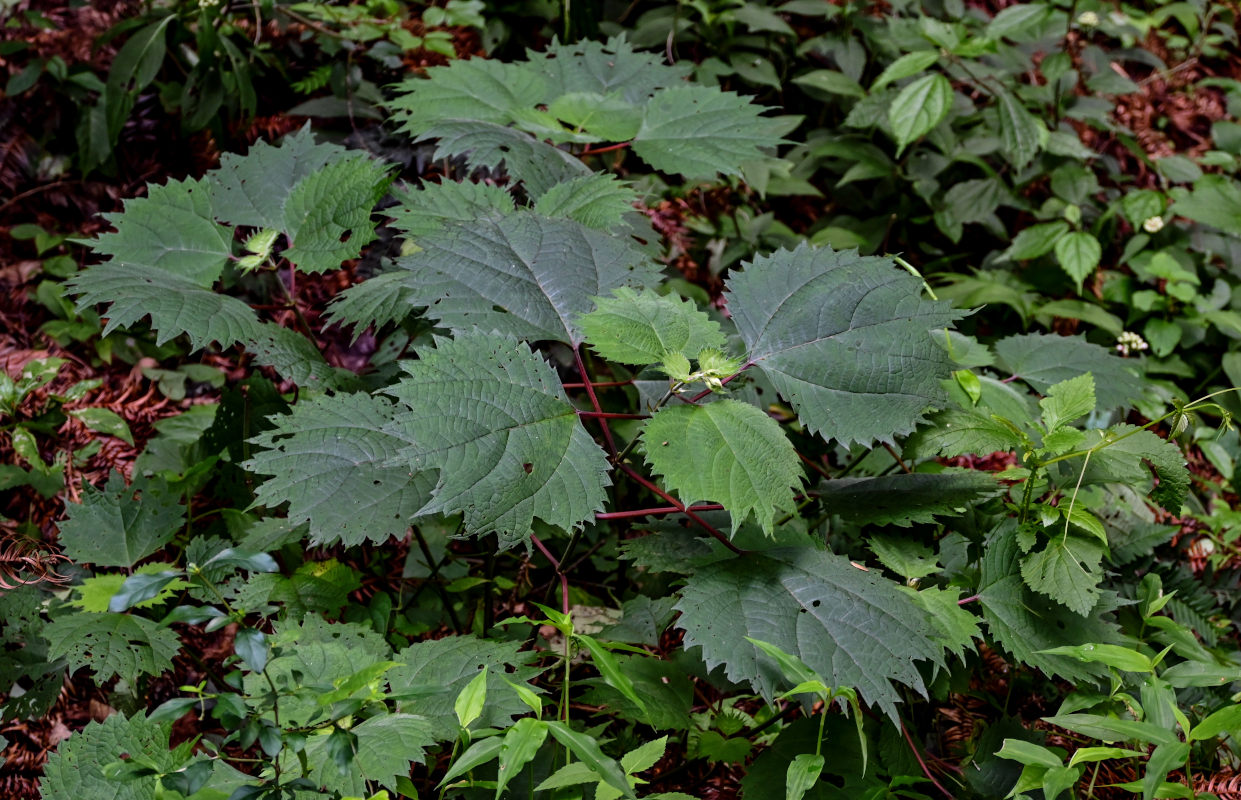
(721, 538)
(597, 384)
(609, 149)
(564, 579)
(611, 415)
(925, 769)
(651, 512)
(594, 401)
(965, 600)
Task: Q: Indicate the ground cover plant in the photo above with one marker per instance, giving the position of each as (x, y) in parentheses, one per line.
(521, 509)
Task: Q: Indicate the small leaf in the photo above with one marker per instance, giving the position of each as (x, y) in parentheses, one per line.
(1037, 240)
(1067, 570)
(102, 420)
(521, 744)
(803, 773)
(726, 452)
(1020, 131)
(1079, 254)
(918, 108)
(587, 750)
(906, 66)
(251, 648)
(1067, 401)
(610, 670)
(1122, 658)
(469, 703)
(111, 644)
(140, 587)
(1028, 753)
(120, 525)
(1225, 721)
(640, 329)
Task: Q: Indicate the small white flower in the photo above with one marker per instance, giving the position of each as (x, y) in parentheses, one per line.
(1152, 224)
(1088, 19)
(1128, 342)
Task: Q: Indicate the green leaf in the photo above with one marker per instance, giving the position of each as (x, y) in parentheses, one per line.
(1225, 721)
(598, 201)
(1079, 254)
(1123, 461)
(327, 217)
(504, 456)
(111, 644)
(848, 625)
(1215, 201)
(906, 66)
(906, 499)
(176, 304)
(1068, 401)
(1021, 133)
(1028, 753)
(1043, 360)
(803, 773)
(610, 670)
(521, 744)
(377, 301)
(433, 674)
(478, 753)
(605, 68)
(1037, 240)
(918, 108)
(956, 628)
(251, 647)
(1067, 571)
(587, 751)
(725, 452)
(329, 461)
(701, 132)
(95, 593)
(253, 190)
(844, 338)
(434, 204)
(523, 275)
(171, 230)
(119, 525)
(380, 749)
(955, 432)
(907, 557)
(1110, 729)
(1122, 658)
(469, 703)
(101, 420)
(296, 358)
(538, 166)
(75, 771)
(830, 81)
(140, 587)
(467, 89)
(640, 329)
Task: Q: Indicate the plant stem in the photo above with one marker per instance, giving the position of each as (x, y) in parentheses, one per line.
(652, 512)
(706, 392)
(594, 400)
(721, 538)
(434, 567)
(564, 579)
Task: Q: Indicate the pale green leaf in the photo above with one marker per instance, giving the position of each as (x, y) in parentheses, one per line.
(725, 452)
(1068, 401)
(904, 555)
(844, 338)
(905, 499)
(102, 420)
(1112, 655)
(956, 628)
(1067, 570)
(1225, 721)
(385, 748)
(329, 461)
(850, 626)
(524, 275)
(802, 775)
(1078, 254)
(1037, 240)
(701, 132)
(327, 216)
(111, 644)
(919, 107)
(504, 456)
(521, 744)
(956, 432)
(906, 66)
(119, 525)
(170, 230)
(640, 329)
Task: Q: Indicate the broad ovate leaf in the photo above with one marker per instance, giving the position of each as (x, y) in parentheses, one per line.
(919, 107)
(850, 626)
(726, 452)
(111, 644)
(329, 461)
(701, 132)
(75, 770)
(905, 499)
(844, 338)
(1043, 360)
(491, 417)
(643, 328)
(524, 275)
(119, 525)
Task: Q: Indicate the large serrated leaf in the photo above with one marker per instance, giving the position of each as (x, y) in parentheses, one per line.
(604, 68)
(524, 275)
(1067, 571)
(642, 328)
(476, 89)
(1122, 461)
(701, 132)
(956, 432)
(173, 230)
(538, 166)
(1043, 360)
(385, 748)
(176, 304)
(851, 626)
(379, 301)
(328, 214)
(905, 499)
(845, 338)
(433, 673)
(329, 462)
(424, 210)
(491, 417)
(111, 644)
(597, 201)
(726, 452)
(119, 525)
(295, 358)
(75, 770)
(252, 189)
